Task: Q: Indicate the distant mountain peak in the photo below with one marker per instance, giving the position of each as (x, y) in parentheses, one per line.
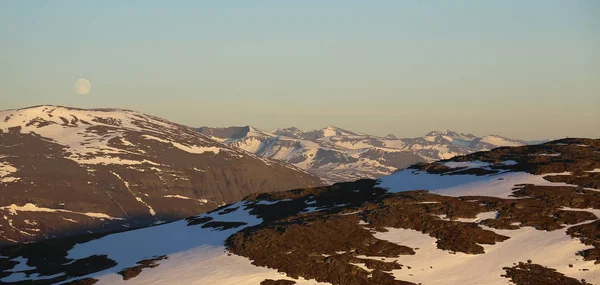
(48, 108)
(336, 154)
(497, 140)
(331, 131)
(444, 132)
(220, 134)
(292, 132)
(290, 129)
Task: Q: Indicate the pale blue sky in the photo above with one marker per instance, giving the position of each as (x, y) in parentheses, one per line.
(528, 69)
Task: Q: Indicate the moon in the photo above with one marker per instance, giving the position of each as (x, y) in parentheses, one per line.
(82, 86)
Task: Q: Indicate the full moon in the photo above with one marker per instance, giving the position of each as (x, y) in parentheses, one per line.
(82, 86)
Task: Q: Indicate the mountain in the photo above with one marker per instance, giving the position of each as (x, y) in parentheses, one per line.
(333, 154)
(513, 215)
(69, 171)
(472, 142)
(337, 155)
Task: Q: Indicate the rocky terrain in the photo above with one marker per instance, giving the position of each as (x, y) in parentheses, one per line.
(338, 155)
(513, 215)
(69, 171)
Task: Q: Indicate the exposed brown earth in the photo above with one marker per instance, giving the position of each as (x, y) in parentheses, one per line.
(132, 272)
(221, 226)
(85, 281)
(588, 234)
(49, 257)
(534, 274)
(314, 250)
(583, 179)
(277, 282)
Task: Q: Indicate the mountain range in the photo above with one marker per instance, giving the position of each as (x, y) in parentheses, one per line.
(67, 171)
(112, 196)
(338, 155)
(513, 215)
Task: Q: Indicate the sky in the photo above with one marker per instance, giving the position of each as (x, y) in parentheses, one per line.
(523, 69)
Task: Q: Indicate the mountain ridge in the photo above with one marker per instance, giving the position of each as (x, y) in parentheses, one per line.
(337, 154)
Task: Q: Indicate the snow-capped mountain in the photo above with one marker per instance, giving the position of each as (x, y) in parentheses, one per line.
(65, 171)
(337, 155)
(332, 154)
(516, 215)
(472, 142)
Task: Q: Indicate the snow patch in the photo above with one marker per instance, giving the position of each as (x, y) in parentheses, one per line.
(478, 218)
(550, 154)
(264, 202)
(430, 265)
(178, 196)
(196, 255)
(500, 141)
(106, 160)
(7, 169)
(329, 131)
(468, 164)
(150, 209)
(29, 207)
(496, 185)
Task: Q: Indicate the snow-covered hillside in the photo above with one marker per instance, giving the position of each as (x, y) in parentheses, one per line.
(508, 216)
(67, 170)
(339, 155)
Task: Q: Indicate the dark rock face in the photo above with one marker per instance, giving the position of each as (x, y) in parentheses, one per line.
(49, 257)
(132, 272)
(399, 159)
(530, 274)
(69, 171)
(85, 281)
(229, 132)
(588, 234)
(323, 157)
(583, 179)
(296, 133)
(277, 282)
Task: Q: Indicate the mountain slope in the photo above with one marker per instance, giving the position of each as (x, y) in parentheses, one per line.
(337, 155)
(520, 215)
(66, 171)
